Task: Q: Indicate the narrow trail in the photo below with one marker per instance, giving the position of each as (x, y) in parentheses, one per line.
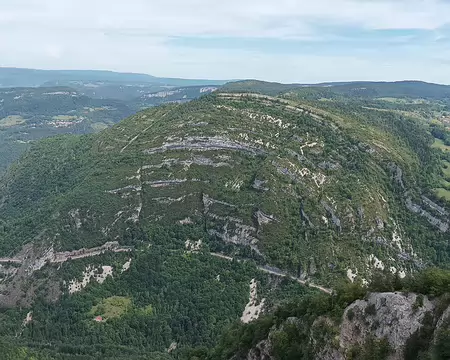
(277, 272)
(137, 136)
(10, 260)
(303, 282)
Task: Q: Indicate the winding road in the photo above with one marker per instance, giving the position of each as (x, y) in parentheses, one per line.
(278, 272)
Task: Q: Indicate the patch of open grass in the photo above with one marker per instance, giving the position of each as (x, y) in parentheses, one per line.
(11, 120)
(403, 101)
(439, 144)
(111, 307)
(443, 193)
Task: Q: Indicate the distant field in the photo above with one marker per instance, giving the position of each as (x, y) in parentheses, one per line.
(444, 191)
(439, 144)
(64, 117)
(11, 120)
(403, 101)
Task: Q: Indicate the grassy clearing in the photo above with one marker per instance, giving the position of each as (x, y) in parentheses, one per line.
(439, 144)
(445, 184)
(11, 120)
(111, 307)
(403, 101)
(443, 193)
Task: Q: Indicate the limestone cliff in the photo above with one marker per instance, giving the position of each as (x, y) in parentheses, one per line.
(393, 319)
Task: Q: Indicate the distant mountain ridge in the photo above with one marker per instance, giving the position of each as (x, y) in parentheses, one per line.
(364, 89)
(18, 77)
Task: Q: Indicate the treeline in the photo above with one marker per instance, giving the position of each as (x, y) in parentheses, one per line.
(440, 132)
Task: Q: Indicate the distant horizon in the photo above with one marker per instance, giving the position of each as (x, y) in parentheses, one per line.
(287, 41)
(211, 79)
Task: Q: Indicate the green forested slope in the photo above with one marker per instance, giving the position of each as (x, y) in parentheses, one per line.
(320, 190)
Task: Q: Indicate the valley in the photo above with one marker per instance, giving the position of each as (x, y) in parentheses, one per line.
(30, 114)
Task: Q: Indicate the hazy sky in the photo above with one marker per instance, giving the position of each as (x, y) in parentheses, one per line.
(278, 40)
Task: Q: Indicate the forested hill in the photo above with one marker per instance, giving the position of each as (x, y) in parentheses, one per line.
(358, 89)
(146, 237)
(18, 77)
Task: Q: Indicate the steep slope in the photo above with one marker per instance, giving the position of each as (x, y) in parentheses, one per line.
(304, 189)
(295, 193)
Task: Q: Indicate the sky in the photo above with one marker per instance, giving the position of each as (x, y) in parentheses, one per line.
(302, 41)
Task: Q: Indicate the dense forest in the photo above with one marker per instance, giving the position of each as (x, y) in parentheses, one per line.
(288, 342)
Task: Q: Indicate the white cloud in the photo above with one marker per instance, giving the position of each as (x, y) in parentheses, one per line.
(224, 18)
(241, 64)
(133, 35)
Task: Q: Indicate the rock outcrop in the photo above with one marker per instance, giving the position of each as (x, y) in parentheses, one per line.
(390, 317)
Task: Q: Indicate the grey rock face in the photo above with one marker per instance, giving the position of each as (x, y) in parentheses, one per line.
(394, 317)
(442, 225)
(391, 316)
(334, 218)
(198, 143)
(435, 206)
(262, 351)
(443, 321)
(263, 218)
(305, 217)
(260, 185)
(398, 174)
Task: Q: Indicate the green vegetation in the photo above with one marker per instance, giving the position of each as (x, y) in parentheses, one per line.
(443, 193)
(191, 305)
(372, 349)
(165, 297)
(336, 161)
(442, 348)
(319, 190)
(446, 169)
(439, 144)
(112, 307)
